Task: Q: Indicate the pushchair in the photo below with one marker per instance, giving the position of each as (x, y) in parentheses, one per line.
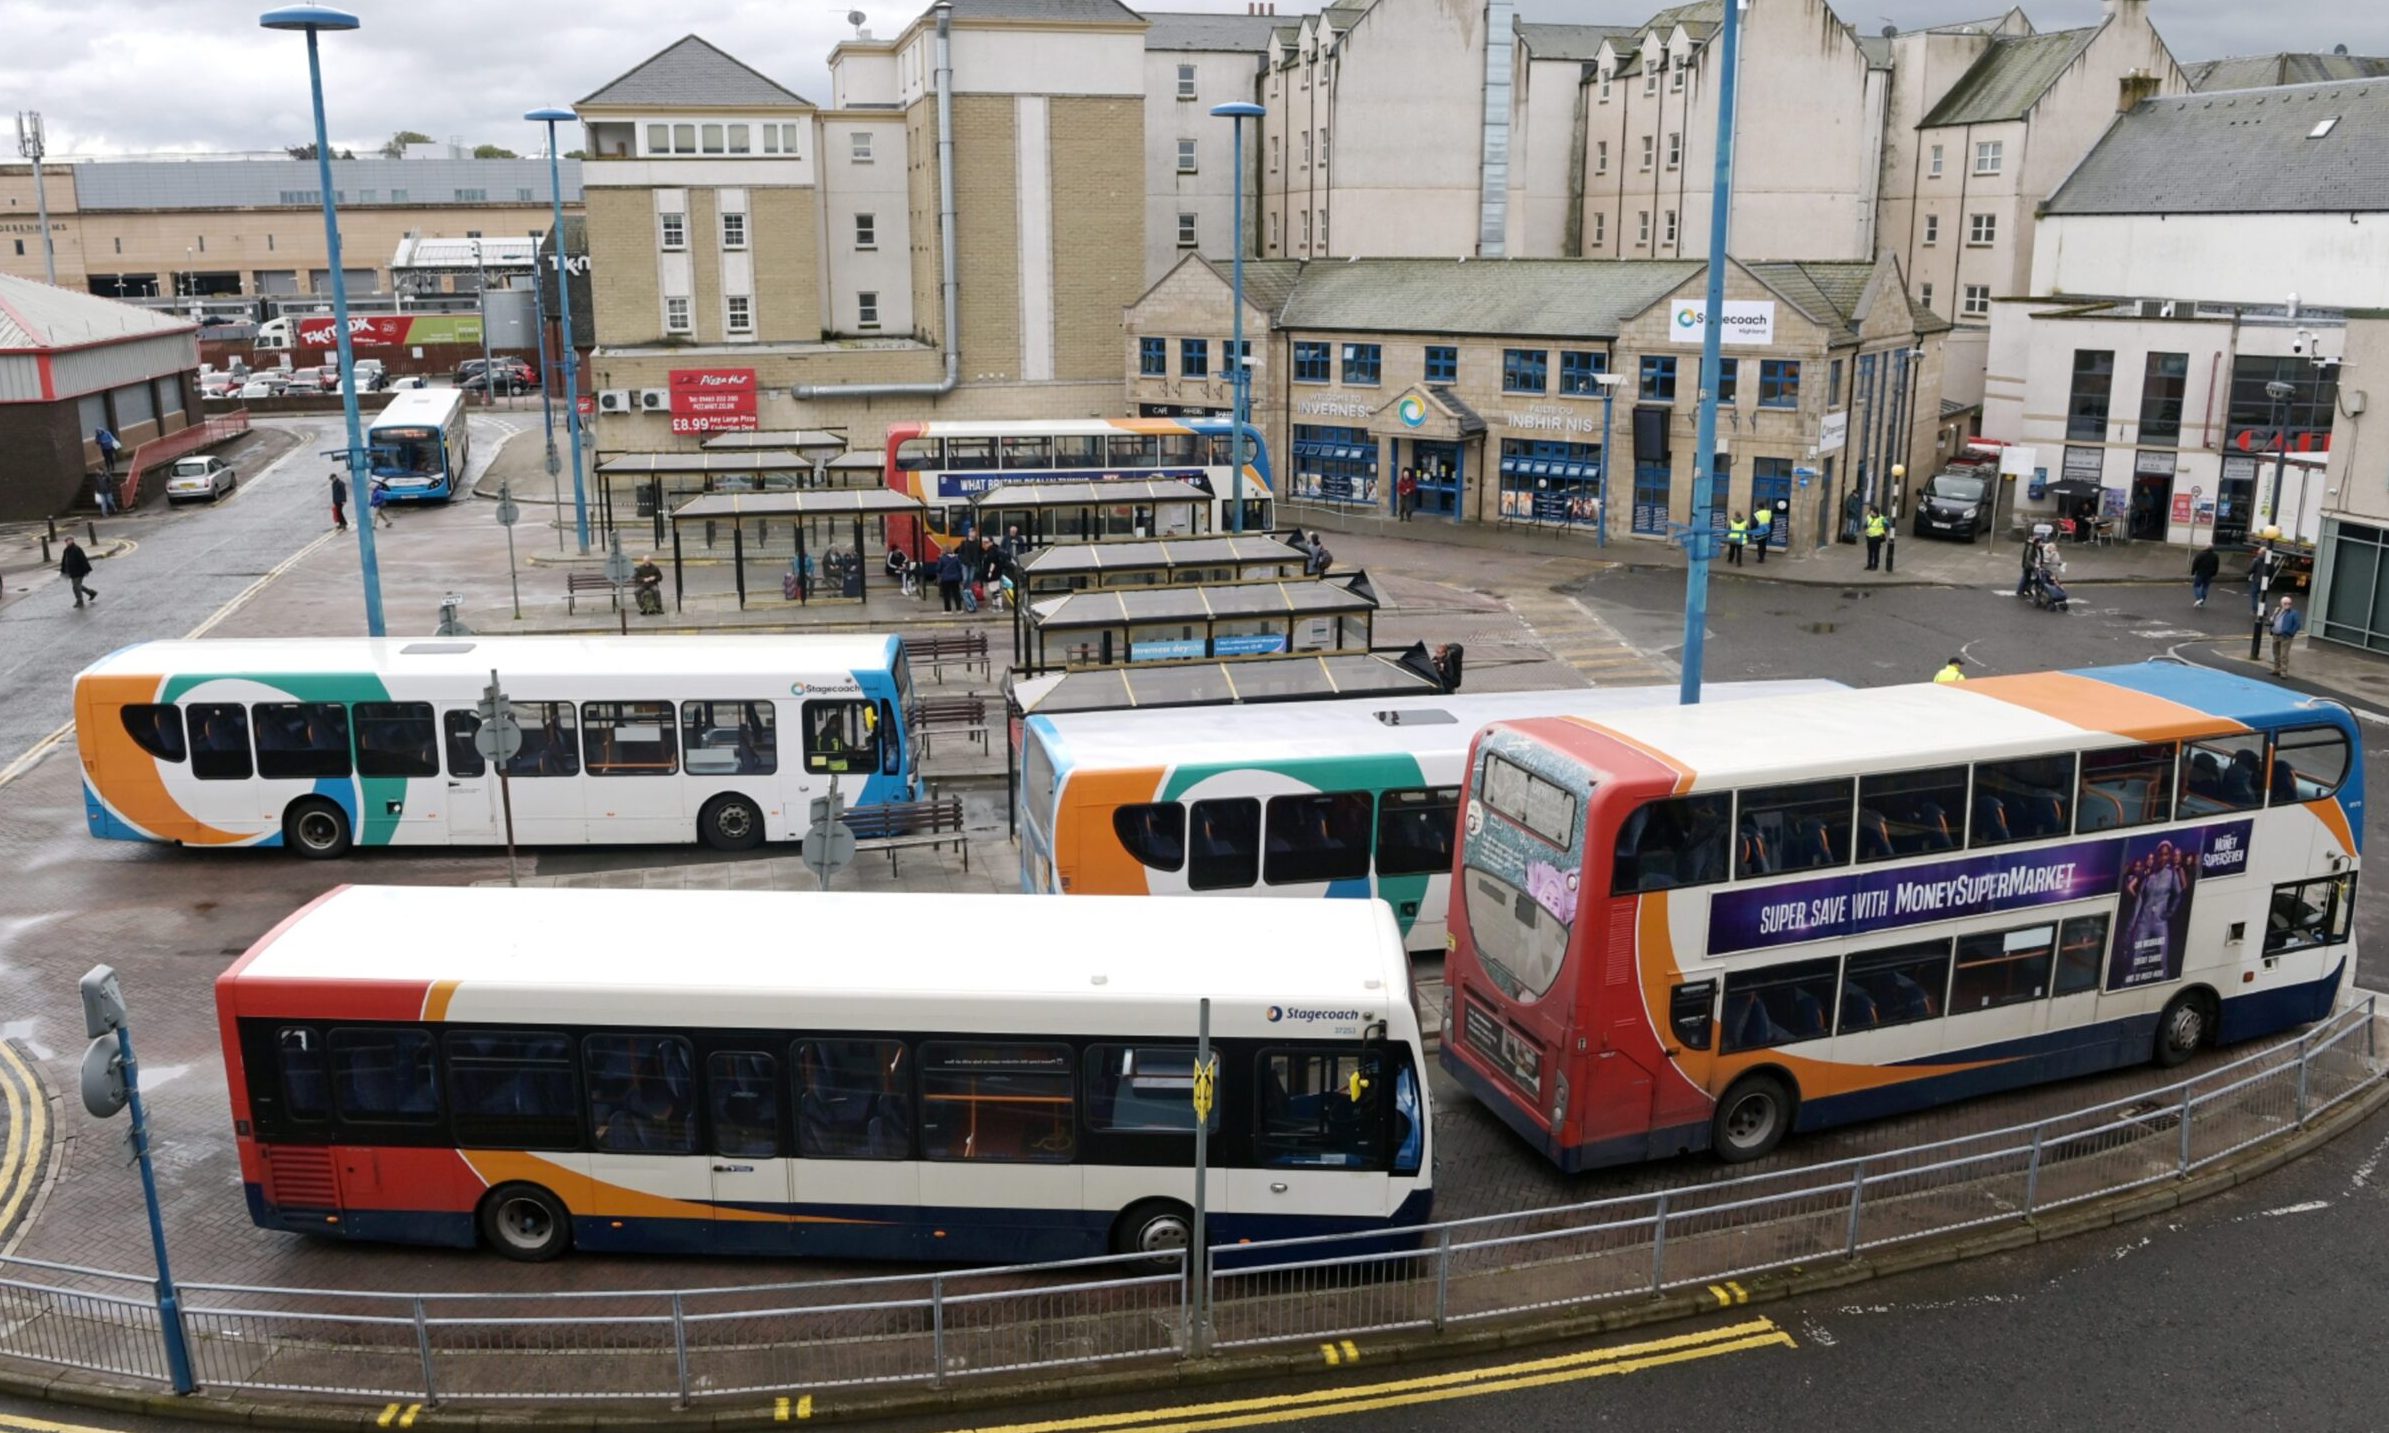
(2046, 592)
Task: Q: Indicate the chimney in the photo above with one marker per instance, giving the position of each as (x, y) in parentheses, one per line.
(2135, 86)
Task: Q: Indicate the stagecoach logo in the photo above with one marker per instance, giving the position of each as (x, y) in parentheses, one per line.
(1304, 1014)
(820, 689)
(1411, 411)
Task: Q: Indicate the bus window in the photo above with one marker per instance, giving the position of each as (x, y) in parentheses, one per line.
(1673, 842)
(2226, 773)
(1131, 450)
(1028, 452)
(1410, 1132)
(512, 1089)
(306, 1082)
(464, 759)
(965, 453)
(156, 729)
(1688, 1008)
(384, 1076)
(1320, 1109)
(853, 1100)
(891, 746)
(2309, 913)
(1180, 450)
(1226, 847)
(1319, 837)
(301, 740)
(1910, 813)
(2002, 967)
(1797, 827)
(729, 738)
(1154, 832)
(2023, 800)
(1415, 830)
(2081, 953)
(916, 455)
(1530, 802)
(1520, 942)
(628, 739)
(1036, 781)
(548, 747)
(2126, 786)
(1013, 1102)
(1897, 985)
(396, 739)
(2308, 764)
(642, 1096)
(841, 737)
(1780, 1005)
(1220, 451)
(743, 1089)
(1143, 1089)
(1078, 453)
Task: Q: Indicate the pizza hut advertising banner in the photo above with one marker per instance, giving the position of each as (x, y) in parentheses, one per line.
(713, 400)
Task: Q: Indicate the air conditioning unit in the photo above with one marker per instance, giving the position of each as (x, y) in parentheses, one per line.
(613, 400)
(655, 400)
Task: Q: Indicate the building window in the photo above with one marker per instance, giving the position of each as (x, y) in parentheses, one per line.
(1729, 380)
(1186, 156)
(1312, 362)
(1650, 80)
(1361, 364)
(1335, 465)
(522, 195)
(472, 196)
(1642, 227)
(1186, 231)
(734, 231)
(1658, 378)
(1779, 383)
(1982, 229)
(1606, 76)
(676, 316)
(741, 316)
(1600, 230)
(1306, 231)
(1153, 358)
(1675, 150)
(1577, 369)
(1186, 82)
(1525, 370)
(1443, 363)
(1924, 295)
(858, 146)
(1675, 79)
(398, 196)
(1668, 230)
(659, 139)
(738, 139)
(1322, 149)
(675, 231)
(1987, 154)
(1978, 301)
(1273, 154)
(866, 309)
(1601, 156)
(1833, 385)
(2161, 389)
(2094, 385)
(1932, 228)
(1933, 169)
(713, 139)
(1306, 149)
(1647, 144)
(1194, 358)
(788, 133)
(866, 231)
(684, 139)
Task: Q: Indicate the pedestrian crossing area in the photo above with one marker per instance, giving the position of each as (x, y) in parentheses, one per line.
(1571, 633)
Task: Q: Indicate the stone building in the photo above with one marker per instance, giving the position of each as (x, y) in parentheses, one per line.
(71, 364)
(1193, 62)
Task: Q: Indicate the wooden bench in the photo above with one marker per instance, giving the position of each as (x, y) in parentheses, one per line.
(964, 649)
(966, 714)
(576, 583)
(892, 826)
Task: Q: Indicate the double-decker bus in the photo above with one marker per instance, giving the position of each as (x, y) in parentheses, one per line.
(1700, 928)
(755, 1072)
(419, 445)
(320, 744)
(1354, 798)
(947, 464)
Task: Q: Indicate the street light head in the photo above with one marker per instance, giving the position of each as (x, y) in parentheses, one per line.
(1898, 471)
(551, 115)
(1610, 380)
(308, 17)
(1238, 111)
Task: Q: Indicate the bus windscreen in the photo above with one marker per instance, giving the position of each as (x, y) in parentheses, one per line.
(408, 452)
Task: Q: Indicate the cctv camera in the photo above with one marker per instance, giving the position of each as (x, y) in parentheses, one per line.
(2297, 345)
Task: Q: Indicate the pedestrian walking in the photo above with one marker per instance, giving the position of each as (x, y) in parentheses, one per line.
(949, 580)
(106, 442)
(1876, 527)
(379, 501)
(1737, 533)
(103, 492)
(2032, 564)
(1320, 558)
(339, 503)
(1406, 495)
(74, 565)
(1955, 671)
(2285, 623)
(1762, 527)
(2202, 575)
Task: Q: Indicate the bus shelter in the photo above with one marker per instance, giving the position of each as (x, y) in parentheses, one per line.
(662, 481)
(1168, 562)
(1161, 624)
(810, 523)
(1120, 511)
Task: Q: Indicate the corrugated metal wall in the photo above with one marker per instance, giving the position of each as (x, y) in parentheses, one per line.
(90, 370)
(240, 183)
(20, 379)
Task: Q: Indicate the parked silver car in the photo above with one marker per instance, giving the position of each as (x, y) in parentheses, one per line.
(194, 478)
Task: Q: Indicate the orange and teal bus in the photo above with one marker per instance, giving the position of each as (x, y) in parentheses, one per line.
(1676, 929)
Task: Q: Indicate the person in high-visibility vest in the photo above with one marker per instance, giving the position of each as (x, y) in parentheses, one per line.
(1951, 673)
(1876, 527)
(1762, 522)
(1737, 533)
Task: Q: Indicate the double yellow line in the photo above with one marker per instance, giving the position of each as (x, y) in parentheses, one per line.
(1606, 1362)
(28, 1133)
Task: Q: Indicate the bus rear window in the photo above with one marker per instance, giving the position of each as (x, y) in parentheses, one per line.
(1519, 942)
(1154, 832)
(1530, 801)
(2309, 763)
(915, 455)
(1673, 842)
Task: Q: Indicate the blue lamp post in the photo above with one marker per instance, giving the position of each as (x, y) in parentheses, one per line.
(551, 117)
(1609, 388)
(310, 20)
(1700, 536)
(1238, 113)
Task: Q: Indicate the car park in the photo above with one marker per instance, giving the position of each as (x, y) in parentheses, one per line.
(191, 479)
(261, 388)
(513, 376)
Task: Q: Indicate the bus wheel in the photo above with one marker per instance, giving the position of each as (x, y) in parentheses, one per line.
(525, 1223)
(2188, 1022)
(730, 823)
(1158, 1226)
(316, 829)
(1752, 1119)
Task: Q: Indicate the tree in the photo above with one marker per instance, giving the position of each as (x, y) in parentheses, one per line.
(576, 154)
(493, 151)
(307, 151)
(396, 148)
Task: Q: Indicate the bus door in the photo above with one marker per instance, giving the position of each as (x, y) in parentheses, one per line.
(472, 790)
(857, 1187)
(752, 1180)
(1318, 1134)
(642, 1092)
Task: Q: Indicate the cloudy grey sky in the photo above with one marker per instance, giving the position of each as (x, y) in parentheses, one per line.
(140, 76)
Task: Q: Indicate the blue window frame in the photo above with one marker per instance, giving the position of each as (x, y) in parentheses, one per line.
(1311, 362)
(1729, 380)
(1361, 364)
(1658, 378)
(1525, 370)
(1334, 465)
(1443, 363)
(1550, 483)
(1650, 498)
(1779, 383)
(1576, 370)
(1153, 357)
(1194, 358)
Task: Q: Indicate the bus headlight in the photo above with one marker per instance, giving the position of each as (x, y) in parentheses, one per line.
(1559, 1099)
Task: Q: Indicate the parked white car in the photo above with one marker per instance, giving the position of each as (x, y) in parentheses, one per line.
(195, 478)
(262, 388)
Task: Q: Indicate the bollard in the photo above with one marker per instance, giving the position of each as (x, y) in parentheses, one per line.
(1857, 1204)
(45, 549)
(91, 530)
(49, 529)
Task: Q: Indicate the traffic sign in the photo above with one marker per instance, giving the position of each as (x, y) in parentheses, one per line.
(1206, 1077)
(617, 563)
(499, 740)
(828, 850)
(509, 512)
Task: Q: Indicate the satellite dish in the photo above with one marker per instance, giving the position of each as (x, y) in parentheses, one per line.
(856, 18)
(1890, 31)
(2339, 49)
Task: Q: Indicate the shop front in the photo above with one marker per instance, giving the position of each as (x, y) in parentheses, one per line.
(1431, 431)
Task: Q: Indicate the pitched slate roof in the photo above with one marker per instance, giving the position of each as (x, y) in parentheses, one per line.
(1104, 12)
(1268, 283)
(690, 71)
(2240, 151)
(35, 315)
(2244, 72)
(1552, 298)
(2010, 77)
(1242, 34)
(1570, 42)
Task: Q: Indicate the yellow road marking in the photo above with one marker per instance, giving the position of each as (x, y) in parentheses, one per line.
(1534, 1373)
(407, 1419)
(1328, 1352)
(779, 1410)
(17, 1423)
(36, 1125)
(1718, 1293)
(804, 1406)
(1741, 1295)
(387, 1414)
(1351, 1351)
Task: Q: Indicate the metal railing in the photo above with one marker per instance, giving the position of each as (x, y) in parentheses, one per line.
(205, 433)
(688, 1346)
